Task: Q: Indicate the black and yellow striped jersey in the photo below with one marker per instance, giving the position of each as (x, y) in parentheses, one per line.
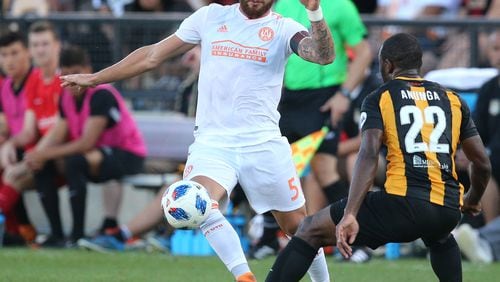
(423, 124)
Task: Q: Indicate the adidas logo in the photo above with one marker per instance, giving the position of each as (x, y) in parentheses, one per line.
(222, 28)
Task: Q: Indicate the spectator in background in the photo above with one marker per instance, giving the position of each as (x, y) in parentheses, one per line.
(487, 118)
(483, 244)
(104, 144)
(41, 8)
(431, 39)
(116, 7)
(16, 64)
(158, 6)
(20, 8)
(42, 97)
(458, 42)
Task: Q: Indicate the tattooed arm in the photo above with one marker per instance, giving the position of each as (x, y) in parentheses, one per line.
(318, 46)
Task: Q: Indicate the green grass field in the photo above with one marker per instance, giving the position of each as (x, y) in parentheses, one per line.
(76, 265)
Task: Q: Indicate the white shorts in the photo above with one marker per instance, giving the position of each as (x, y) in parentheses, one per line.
(265, 172)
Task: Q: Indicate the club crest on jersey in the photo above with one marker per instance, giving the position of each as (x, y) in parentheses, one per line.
(266, 34)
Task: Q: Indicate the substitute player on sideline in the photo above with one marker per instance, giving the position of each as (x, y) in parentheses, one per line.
(244, 48)
(421, 123)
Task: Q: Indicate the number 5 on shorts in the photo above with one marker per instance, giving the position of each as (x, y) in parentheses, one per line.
(293, 188)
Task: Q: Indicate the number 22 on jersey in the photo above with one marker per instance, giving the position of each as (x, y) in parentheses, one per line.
(433, 115)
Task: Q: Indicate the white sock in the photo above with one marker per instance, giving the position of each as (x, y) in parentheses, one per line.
(225, 242)
(318, 271)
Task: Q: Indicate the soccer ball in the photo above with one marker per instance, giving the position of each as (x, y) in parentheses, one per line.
(186, 204)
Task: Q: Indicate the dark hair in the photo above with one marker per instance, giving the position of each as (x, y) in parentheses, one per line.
(43, 26)
(11, 37)
(73, 55)
(403, 50)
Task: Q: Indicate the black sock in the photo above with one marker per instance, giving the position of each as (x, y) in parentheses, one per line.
(48, 193)
(336, 191)
(107, 223)
(269, 235)
(20, 210)
(293, 262)
(446, 260)
(76, 172)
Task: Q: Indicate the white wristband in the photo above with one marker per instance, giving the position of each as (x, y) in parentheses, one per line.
(315, 16)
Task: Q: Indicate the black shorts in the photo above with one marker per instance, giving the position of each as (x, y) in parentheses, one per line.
(385, 218)
(300, 116)
(117, 163)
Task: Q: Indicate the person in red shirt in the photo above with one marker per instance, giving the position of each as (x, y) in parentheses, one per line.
(43, 100)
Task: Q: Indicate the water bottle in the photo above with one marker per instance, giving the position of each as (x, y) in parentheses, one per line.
(392, 251)
(2, 228)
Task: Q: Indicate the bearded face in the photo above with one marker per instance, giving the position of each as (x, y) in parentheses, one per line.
(254, 9)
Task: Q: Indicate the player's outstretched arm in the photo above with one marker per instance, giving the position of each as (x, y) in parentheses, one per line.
(480, 171)
(319, 47)
(137, 62)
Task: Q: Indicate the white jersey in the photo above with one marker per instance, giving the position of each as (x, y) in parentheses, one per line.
(241, 75)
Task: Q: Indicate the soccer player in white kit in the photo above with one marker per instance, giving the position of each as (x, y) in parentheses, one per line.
(244, 48)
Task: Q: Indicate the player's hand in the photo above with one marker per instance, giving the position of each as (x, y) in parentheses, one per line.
(35, 160)
(311, 5)
(337, 105)
(80, 80)
(471, 207)
(346, 233)
(8, 154)
(16, 171)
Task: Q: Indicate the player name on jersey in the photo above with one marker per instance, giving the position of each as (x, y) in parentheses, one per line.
(419, 95)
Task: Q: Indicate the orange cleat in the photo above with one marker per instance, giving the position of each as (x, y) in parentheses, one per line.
(246, 277)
